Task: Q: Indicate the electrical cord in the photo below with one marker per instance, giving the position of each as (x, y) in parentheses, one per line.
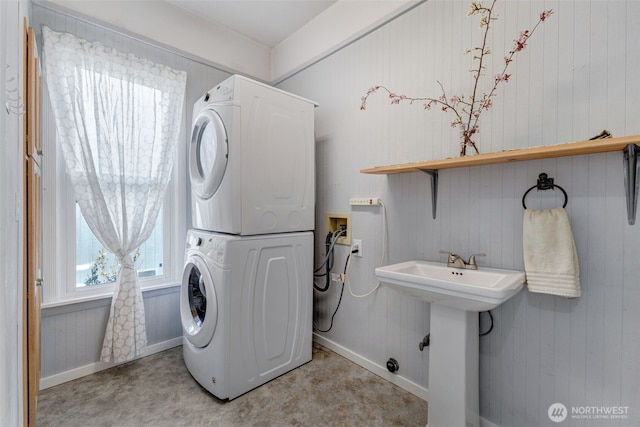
(330, 242)
(329, 264)
(346, 265)
(384, 254)
(346, 278)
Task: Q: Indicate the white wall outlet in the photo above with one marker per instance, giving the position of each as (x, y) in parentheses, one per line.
(357, 244)
(364, 201)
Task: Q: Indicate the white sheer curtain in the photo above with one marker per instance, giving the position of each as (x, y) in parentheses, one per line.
(117, 119)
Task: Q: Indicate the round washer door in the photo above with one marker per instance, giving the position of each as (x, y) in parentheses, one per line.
(198, 302)
(208, 153)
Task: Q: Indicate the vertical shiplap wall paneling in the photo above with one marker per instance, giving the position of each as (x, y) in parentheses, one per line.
(616, 48)
(630, 303)
(613, 296)
(599, 32)
(452, 71)
(630, 339)
(577, 76)
(416, 314)
(164, 308)
(631, 104)
(581, 69)
(523, 79)
(375, 71)
(401, 137)
(574, 375)
(563, 84)
(72, 335)
(366, 223)
(594, 275)
(536, 83)
(546, 326)
(550, 65)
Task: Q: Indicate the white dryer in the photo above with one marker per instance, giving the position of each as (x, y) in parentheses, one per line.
(245, 308)
(251, 160)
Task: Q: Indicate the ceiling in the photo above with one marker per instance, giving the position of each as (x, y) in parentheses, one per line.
(264, 39)
(266, 21)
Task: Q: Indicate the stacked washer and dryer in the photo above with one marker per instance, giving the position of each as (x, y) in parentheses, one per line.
(246, 298)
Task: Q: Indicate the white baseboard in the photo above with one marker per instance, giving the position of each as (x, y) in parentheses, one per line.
(92, 368)
(379, 370)
(487, 423)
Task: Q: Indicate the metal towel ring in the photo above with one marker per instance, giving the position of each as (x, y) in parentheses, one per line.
(545, 183)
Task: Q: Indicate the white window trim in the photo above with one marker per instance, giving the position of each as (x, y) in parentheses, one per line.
(59, 286)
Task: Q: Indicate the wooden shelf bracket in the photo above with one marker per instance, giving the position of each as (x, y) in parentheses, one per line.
(631, 183)
(434, 189)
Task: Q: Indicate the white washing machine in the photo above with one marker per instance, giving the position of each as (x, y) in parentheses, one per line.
(251, 160)
(245, 308)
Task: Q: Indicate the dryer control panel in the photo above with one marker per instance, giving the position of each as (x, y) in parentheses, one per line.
(210, 245)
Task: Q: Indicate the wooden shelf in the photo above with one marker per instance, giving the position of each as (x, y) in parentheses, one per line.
(629, 145)
(534, 153)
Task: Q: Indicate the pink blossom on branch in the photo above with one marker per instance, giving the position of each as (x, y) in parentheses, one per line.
(371, 90)
(467, 110)
(544, 15)
(520, 42)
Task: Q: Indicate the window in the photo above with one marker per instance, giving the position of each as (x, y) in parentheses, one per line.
(96, 266)
(71, 248)
(76, 265)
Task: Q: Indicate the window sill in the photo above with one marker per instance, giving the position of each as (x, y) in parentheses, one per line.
(106, 295)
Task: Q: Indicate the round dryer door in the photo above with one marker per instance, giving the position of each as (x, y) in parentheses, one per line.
(198, 303)
(208, 153)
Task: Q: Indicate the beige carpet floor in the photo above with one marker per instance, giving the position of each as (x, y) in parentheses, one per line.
(159, 391)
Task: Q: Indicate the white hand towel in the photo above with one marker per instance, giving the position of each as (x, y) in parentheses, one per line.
(550, 258)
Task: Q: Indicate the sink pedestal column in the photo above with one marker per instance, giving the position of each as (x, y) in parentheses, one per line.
(453, 368)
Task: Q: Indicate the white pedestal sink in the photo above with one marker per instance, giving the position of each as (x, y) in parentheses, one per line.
(456, 297)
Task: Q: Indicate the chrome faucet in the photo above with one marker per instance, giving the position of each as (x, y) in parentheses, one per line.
(456, 261)
(471, 265)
